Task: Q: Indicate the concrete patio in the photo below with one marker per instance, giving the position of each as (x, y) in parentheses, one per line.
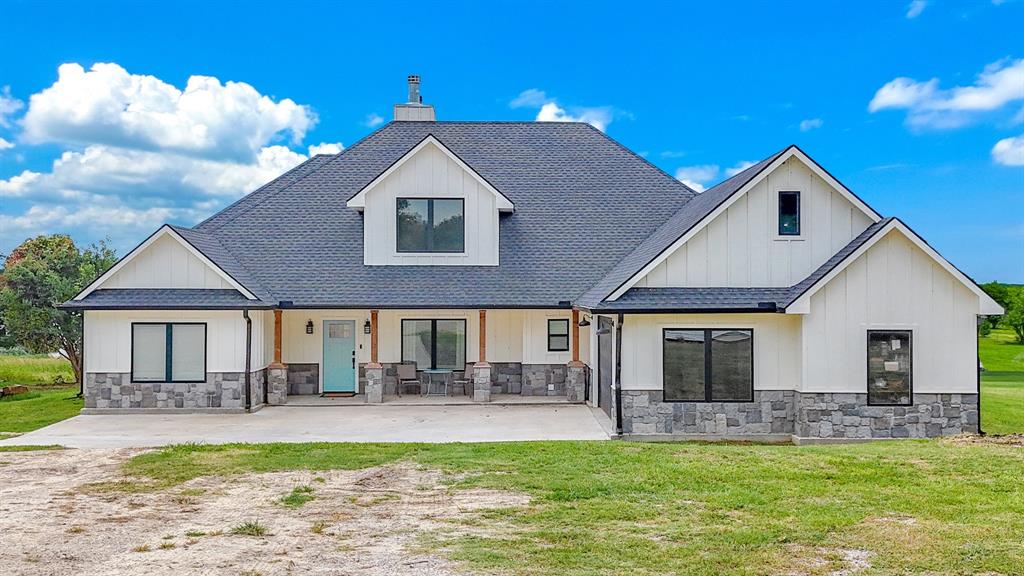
(342, 423)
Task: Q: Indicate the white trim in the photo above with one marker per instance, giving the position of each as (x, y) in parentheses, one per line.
(790, 152)
(358, 201)
(164, 230)
(986, 305)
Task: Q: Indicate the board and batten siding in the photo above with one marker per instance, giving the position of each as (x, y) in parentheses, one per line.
(894, 285)
(512, 335)
(166, 264)
(776, 347)
(108, 337)
(742, 248)
(430, 173)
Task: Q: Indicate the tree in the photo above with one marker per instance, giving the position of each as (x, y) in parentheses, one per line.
(38, 276)
(1001, 293)
(1014, 317)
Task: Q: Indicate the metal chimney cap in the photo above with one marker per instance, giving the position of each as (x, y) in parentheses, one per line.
(414, 78)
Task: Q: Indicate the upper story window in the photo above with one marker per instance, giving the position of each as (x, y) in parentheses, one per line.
(431, 225)
(789, 213)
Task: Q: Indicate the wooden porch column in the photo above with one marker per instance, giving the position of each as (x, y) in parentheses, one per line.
(373, 336)
(483, 336)
(277, 338)
(575, 335)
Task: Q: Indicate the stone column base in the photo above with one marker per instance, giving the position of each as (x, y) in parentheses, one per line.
(481, 382)
(374, 383)
(277, 384)
(576, 382)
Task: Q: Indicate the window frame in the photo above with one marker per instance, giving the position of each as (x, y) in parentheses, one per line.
(430, 225)
(867, 364)
(168, 369)
(799, 215)
(433, 340)
(708, 384)
(568, 335)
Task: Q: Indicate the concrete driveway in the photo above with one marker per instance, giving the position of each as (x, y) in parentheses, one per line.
(432, 424)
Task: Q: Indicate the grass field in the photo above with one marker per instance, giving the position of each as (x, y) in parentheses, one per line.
(46, 403)
(1002, 383)
(913, 507)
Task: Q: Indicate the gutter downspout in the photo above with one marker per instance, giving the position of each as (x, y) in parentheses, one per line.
(248, 359)
(977, 368)
(618, 376)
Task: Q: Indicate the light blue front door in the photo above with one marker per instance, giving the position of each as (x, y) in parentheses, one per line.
(339, 356)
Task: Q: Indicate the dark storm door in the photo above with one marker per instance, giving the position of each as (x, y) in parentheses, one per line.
(604, 364)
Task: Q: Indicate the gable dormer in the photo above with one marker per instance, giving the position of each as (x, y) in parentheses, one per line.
(430, 208)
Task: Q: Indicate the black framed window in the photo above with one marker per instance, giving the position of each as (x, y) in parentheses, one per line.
(789, 213)
(708, 365)
(431, 225)
(558, 335)
(168, 352)
(434, 344)
(890, 368)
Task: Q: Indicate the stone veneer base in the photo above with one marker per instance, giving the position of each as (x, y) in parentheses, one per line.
(804, 417)
(114, 392)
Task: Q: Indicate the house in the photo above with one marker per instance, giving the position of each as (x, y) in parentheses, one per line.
(546, 259)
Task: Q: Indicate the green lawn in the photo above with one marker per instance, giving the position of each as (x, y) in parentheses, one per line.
(46, 403)
(1002, 383)
(917, 507)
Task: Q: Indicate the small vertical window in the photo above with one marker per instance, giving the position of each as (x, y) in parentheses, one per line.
(558, 335)
(789, 213)
(890, 368)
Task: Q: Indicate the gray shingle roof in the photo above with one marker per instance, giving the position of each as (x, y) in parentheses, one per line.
(582, 203)
(697, 300)
(165, 299)
(673, 229)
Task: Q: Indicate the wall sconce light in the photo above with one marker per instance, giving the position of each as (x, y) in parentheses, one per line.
(584, 322)
(366, 327)
(309, 326)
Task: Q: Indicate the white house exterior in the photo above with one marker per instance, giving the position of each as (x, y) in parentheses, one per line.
(544, 259)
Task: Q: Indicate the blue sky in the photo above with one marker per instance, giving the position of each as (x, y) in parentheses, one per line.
(117, 117)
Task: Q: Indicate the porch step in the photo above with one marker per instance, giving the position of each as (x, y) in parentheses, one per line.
(338, 394)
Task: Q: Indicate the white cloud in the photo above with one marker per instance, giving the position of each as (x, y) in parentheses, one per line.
(697, 177)
(8, 106)
(108, 105)
(999, 84)
(1009, 151)
(673, 154)
(810, 124)
(5, 145)
(530, 98)
(598, 117)
(373, 120)
(915, 8)
(550, 111)
(326, 148)
(140, 152)
(739, 167)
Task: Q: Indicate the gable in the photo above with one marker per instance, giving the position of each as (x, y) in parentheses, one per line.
(892, 274)
(741, 247)
(164, 260)
(431, 172)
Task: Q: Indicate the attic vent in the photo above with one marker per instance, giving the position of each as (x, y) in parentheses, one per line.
(414, 110)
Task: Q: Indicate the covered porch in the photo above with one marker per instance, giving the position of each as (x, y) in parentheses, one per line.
(337, 357)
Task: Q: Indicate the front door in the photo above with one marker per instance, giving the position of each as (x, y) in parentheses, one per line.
(339, 355)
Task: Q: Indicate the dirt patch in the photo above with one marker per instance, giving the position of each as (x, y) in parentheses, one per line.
(1003, 439)
(358, 522)
(828, 561)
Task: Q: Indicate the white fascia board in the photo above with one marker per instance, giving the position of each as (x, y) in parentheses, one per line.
(164, 230)
(986, 305)
(789, 153)
(358, 201)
